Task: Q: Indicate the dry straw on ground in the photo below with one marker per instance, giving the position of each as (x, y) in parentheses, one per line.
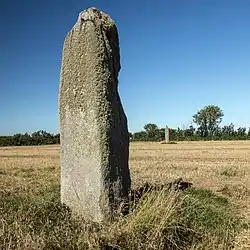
(223, 167)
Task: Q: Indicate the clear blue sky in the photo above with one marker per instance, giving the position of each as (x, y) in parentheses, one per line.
(176, 57)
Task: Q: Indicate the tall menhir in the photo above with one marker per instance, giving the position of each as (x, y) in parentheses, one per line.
(95, 176)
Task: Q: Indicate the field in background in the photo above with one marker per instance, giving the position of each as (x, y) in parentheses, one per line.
(223, 167)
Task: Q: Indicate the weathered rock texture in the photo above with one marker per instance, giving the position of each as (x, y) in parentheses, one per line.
(93, 126)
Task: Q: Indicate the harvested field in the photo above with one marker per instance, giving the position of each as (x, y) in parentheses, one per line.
(223, 167)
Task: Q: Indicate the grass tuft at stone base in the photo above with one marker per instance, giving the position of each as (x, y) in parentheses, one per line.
(165, 219)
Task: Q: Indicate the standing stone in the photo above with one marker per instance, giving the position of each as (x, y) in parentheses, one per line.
(93, 126)
(166, 134)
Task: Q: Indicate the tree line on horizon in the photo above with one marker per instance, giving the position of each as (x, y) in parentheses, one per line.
(40, 137)
(206, 127)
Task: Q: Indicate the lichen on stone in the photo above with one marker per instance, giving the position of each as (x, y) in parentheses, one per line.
(93, 125)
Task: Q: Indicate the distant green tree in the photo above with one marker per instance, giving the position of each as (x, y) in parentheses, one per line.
(228, 132)
(241, 133)
(17, 139)
(161, 134)
(56, 139)
(152, 131)
(189, 132)
(140, 136)
(208, 120)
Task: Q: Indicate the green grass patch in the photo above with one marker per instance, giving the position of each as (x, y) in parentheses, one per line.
(211, 216)
(193, 219)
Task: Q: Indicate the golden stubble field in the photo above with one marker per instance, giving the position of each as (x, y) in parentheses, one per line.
(223, 167)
